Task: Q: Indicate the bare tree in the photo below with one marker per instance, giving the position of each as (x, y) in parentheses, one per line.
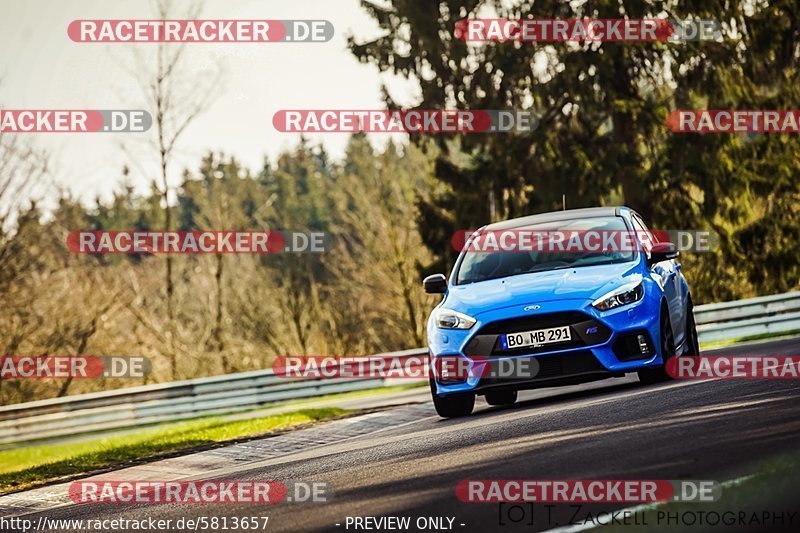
(175, 96)
(22, 168)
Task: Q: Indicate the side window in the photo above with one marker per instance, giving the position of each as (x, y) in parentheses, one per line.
(645, 237)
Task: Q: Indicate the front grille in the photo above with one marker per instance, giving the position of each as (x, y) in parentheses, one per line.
(551, 366)
(525, 323)
(585, 331)
(556, 366)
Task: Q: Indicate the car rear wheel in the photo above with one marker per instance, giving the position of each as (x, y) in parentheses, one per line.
(452, 406)
(692, 342)
(505, 397)
(658, 374)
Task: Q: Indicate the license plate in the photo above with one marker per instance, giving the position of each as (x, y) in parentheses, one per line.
(536, 337)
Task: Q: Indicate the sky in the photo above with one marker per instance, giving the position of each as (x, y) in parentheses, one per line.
(41, 68)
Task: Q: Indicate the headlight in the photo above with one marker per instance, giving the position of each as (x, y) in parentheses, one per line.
(449, 319)
(624, 295)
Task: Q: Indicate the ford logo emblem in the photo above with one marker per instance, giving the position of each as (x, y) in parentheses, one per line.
(531, 307)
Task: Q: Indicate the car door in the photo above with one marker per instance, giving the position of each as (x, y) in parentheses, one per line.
(666, 273)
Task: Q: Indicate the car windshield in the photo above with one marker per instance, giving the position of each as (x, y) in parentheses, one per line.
(542, 247)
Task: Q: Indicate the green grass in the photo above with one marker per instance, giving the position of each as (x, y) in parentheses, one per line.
(357, 393)
(761, 336)
(24, 468)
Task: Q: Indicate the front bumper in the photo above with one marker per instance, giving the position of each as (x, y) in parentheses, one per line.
(605, 344)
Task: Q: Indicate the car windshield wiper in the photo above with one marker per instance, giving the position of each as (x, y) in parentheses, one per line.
(546, 269)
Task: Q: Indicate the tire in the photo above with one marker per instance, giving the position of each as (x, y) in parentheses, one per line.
(505, 397)
(452, 406)
(648, 376)
(692, 342)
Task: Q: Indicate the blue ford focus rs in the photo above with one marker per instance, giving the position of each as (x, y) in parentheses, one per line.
(570, 315)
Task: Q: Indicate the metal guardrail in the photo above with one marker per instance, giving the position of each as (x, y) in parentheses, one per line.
(764, 315)
(168, 402)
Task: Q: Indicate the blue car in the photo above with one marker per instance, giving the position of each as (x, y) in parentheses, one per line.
(539, 317)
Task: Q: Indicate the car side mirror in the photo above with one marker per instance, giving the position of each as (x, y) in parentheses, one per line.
(435, 284)
(662, 251)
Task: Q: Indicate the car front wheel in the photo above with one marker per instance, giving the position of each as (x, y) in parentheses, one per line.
(658, 374)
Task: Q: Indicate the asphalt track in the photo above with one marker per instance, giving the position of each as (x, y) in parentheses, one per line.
(712, 430)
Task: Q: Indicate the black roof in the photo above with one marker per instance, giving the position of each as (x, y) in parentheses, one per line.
(554, 216)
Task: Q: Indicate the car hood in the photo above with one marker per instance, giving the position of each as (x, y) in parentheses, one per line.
(583, 283)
